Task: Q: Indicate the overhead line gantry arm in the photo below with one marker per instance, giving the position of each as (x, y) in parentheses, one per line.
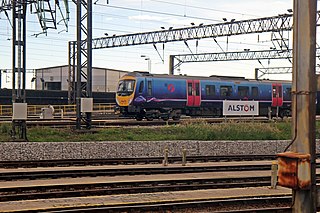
(268, 24)
(231, 56)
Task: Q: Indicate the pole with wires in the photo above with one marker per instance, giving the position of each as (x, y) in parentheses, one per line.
(304, 98)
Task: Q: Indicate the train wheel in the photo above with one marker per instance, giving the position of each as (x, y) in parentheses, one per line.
(149, 118)
(165, 118)
(285, 114)
(175, 118)
(139, 118)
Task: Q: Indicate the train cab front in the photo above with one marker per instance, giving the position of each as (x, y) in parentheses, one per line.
(125, 95)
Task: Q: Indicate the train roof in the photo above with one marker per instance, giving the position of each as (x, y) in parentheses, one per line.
(212, 77)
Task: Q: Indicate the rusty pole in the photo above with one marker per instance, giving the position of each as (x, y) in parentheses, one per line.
(304, 95)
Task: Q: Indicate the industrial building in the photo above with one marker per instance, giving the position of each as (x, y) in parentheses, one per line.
(56, 78)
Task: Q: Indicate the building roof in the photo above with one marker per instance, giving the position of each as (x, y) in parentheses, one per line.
(62, 66)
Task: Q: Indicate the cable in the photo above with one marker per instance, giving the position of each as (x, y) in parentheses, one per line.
(156, 12)
(202, 8)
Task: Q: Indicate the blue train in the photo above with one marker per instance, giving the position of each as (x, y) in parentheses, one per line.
(143, 95)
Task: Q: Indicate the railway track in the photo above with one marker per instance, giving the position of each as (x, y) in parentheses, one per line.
(135, 182)
(26, 192)
(96, 172)
(282, 204)
(116, 121)
(131, 161)
(129, 187)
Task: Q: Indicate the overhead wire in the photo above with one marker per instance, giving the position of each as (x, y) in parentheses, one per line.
(157, 12)
(203, 8)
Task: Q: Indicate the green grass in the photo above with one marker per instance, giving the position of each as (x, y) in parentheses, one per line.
(185, 131)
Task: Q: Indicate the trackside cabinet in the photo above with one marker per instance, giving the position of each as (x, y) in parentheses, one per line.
(294, 170)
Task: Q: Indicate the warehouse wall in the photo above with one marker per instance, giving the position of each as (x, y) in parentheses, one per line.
(56, 78)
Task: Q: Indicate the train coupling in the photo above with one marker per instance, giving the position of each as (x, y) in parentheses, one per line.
(116, 110)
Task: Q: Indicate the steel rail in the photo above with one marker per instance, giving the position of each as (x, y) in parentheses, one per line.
(127, 187)
(127, 161)
(114, 121)
(85, 172)
(272, 204)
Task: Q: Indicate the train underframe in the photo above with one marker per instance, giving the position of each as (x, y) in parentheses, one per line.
(166, 113)
(139, 113)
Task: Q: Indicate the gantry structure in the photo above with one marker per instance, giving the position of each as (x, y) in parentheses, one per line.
(271, 70)
(46, 11)
(231, 56)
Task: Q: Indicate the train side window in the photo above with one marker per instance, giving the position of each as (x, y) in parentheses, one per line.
(141, 87)
(243, 91)
(255, 92)
(197, 89)
(274, 91)
(210, 90)
(225, 91)
(280, 91)
(189, 88)
(288, 92)
(149, 88)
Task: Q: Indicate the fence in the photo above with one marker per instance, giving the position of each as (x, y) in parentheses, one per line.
(63, 110)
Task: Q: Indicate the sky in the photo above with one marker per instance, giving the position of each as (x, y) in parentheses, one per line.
(133, 16)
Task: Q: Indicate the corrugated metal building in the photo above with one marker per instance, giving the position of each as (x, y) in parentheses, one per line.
(56, 78)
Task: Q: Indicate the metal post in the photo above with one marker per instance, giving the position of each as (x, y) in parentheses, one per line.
(71, 72)
(14, 33)
(24, 52)
(149, 65)
(256, 70)
(89, 60)
(171, 65)
(19, 8)
(84, 59)
(304, 96)
(78, 97)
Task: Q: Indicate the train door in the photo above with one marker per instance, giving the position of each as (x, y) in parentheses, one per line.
(193, 93)
(277, 96)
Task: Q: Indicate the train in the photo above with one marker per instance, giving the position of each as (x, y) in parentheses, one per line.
(142, 95)
(53, 97)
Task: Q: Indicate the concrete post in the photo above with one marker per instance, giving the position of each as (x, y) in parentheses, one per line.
(165, 160)
(274, 171)
(269, 113)
(184, 157)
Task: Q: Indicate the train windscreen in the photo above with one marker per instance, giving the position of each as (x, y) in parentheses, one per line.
(125, 87)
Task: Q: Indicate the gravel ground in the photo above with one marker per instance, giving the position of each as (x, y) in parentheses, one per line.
(19, 151)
